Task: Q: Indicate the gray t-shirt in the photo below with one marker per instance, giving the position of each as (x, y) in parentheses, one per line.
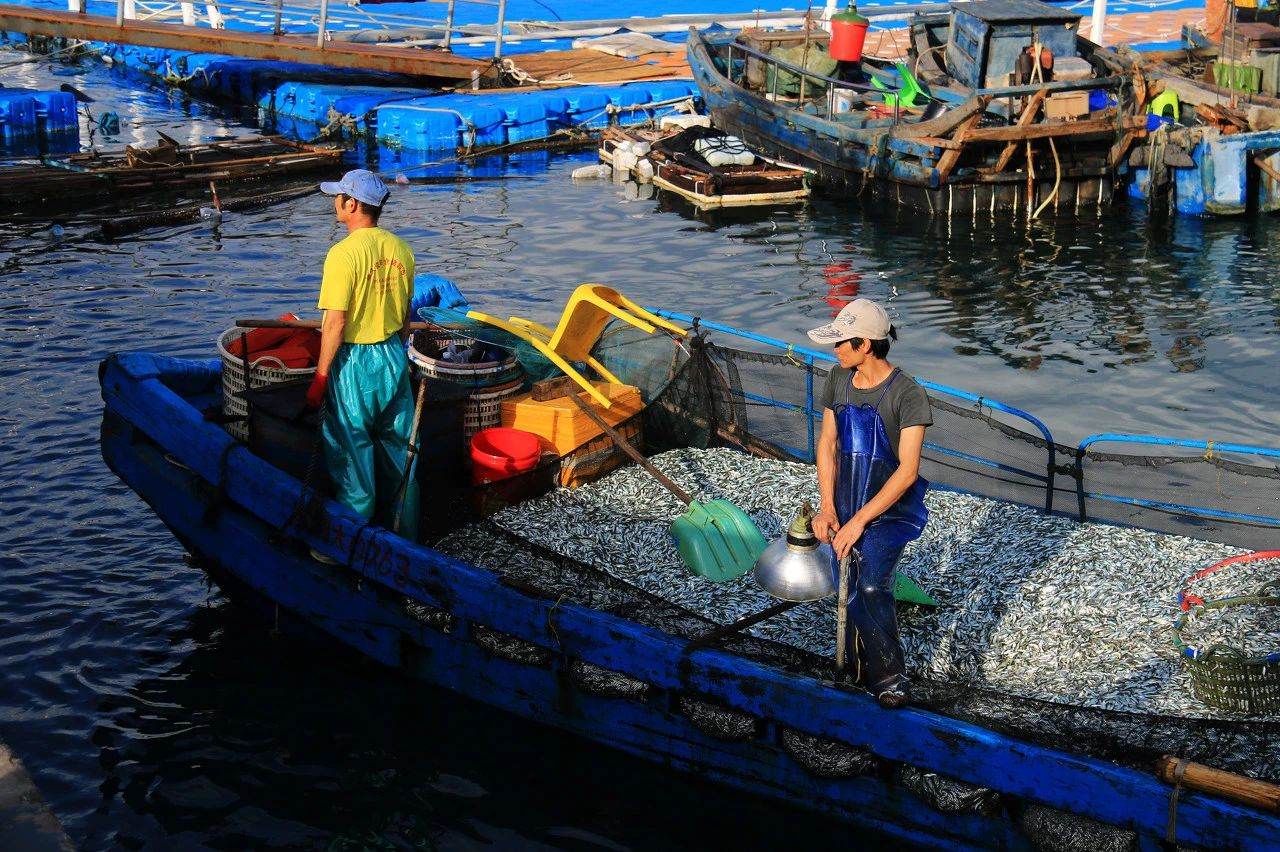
(905, 403)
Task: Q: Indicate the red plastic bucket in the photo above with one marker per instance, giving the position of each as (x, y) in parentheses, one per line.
(847, 38)
(501, 453)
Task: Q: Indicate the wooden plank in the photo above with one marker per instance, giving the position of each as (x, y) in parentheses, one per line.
(945, 123)
(1056, 129)
(369, 57)
(948, 161)
(1028, 115)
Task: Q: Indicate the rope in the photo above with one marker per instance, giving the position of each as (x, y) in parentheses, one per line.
(1171, 829)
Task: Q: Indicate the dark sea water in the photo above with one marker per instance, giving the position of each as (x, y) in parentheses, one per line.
(155, 714)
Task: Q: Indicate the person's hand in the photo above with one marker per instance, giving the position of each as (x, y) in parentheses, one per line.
(315, 393)
(824, 525)
(847, 537)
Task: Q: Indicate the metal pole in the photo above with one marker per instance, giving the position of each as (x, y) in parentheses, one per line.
(324, 22)
(1099, 22)
(502, 23)
(842, 611)
(276, 28)
(119, 13)
(448, 24)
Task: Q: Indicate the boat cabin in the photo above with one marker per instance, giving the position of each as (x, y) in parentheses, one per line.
(988, 36)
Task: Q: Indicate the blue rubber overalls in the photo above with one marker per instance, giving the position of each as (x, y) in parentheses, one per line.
(864, 463)
(369, 413)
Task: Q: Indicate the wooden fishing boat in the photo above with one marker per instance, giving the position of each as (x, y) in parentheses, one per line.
(948, 136)
(674, 167)
(747, 713)
(1217, 149)
(167, 166)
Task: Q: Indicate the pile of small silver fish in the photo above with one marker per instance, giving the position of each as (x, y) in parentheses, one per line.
(1032, 605)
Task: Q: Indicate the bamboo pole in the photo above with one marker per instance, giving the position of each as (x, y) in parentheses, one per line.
(1228, 785)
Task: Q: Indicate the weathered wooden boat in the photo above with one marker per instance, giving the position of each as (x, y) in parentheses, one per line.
(676, 168)
(616, 665)
(970, 142)
(71, 179)
(1217, 152)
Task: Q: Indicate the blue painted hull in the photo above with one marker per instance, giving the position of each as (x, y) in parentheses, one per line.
(1226, 179)
(433, 617)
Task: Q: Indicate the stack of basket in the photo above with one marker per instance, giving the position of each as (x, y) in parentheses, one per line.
(492, 374)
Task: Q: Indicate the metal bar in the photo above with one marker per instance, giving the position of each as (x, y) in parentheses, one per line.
(324, 22)
(1216, 447)
(448, 24)
(276, 27)
(743, 623)
(802, 350)
(808, 398)
(502, 23)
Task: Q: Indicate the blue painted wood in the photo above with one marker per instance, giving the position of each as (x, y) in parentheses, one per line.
(251, 499)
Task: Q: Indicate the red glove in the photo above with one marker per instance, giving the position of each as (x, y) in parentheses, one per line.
(315, 393)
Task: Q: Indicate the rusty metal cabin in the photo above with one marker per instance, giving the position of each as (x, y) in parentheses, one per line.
(987, 36)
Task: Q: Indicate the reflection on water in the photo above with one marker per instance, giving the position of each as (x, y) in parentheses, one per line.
(152, 716)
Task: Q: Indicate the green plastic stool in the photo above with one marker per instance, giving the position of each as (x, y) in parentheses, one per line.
(911, 94)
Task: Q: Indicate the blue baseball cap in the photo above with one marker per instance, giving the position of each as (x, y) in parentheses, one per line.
(360, 184)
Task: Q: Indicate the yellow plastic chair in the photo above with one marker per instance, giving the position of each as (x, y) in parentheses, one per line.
(585, 315)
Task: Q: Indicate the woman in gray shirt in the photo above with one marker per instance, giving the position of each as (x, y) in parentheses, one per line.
(873, 422)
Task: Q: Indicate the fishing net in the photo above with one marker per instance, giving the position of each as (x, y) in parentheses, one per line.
(701, 394)
(448, 326)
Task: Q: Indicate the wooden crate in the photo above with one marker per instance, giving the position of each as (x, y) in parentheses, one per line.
(562, 426)
(1066, 105)
(600, 455)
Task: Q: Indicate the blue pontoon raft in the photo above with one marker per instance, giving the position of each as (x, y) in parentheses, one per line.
(616, 664)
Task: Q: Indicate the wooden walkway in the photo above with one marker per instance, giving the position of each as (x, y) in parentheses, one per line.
(434, 64)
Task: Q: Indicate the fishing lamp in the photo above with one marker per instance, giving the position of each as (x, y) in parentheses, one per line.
(797, 567)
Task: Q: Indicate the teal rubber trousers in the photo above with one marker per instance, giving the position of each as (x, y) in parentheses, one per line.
(368, 417)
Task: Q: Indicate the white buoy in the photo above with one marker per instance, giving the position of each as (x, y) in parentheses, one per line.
(599, 172)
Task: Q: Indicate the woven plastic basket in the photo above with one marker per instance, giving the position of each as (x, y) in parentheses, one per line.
(427, 347)
(484, 407)
(1222, 676)
(261, 371)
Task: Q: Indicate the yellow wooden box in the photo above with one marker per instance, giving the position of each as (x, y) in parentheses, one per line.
(562, 426)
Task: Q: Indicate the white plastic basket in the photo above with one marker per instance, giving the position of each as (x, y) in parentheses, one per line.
(262, 371)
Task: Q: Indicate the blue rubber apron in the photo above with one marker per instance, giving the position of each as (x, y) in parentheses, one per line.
(368, 416)
(864, 464)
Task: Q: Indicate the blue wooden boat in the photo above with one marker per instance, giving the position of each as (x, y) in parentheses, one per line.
(1215, 163)
(742, 719)
(960, 135)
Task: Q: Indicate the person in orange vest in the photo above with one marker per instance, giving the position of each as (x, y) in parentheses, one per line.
(362, 376)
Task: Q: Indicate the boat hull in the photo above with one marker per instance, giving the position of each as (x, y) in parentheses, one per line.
(899, 170)
(461, 627)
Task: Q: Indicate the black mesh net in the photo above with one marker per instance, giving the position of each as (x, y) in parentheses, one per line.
(699, 394)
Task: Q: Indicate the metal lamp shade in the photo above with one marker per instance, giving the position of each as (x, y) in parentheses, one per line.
(796, 571)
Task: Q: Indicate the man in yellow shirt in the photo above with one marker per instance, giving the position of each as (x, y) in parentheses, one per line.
(362, 376)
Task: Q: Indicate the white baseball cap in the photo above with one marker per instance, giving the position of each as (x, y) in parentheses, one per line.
(860, 318)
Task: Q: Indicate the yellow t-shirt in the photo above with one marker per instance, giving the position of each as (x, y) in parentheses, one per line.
(370, 276)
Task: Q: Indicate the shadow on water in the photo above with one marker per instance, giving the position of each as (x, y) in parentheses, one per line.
(251, 741)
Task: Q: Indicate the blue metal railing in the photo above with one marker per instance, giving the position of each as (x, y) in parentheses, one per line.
(807, 358)
(1209, 448)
